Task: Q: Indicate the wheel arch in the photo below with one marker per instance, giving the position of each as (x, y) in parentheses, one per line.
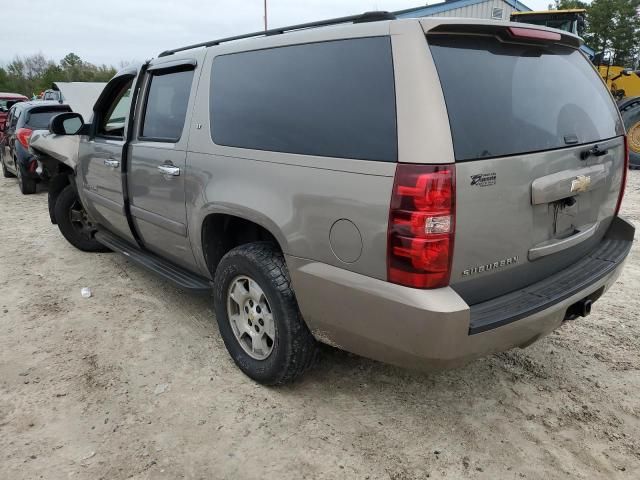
(57, 183)
(223, 229)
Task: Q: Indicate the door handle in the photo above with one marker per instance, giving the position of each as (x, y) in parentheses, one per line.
(112, 163)
(554, 246)
(169, 170)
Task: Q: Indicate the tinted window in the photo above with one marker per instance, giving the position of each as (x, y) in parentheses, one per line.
(505, 99)
(167, 105)
(332, 99)
(40, 120)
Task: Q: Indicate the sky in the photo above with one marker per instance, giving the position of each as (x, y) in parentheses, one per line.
(115, 31)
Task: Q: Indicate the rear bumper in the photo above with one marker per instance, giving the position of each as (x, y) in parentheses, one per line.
(435, 328)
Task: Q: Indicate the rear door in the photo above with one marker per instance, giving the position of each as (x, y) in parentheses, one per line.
(539, 158)
(100, 157)
(157, 170)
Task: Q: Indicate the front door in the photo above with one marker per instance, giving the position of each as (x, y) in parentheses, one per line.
(100, 158)
(156, 176)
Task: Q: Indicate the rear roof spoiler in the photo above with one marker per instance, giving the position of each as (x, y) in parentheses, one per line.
(509, 32)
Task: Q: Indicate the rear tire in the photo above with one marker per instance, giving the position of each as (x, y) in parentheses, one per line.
(244, 316)
(27, 185)
(73, 222)
(6, 173)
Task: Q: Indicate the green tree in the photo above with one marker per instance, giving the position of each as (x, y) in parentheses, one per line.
(32, 74)
(612, 27)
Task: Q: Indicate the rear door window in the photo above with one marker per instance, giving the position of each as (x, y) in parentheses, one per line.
(507, 99)
(166, 107)
(334, 99)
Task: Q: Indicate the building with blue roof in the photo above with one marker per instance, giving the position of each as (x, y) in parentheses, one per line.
(488, 9)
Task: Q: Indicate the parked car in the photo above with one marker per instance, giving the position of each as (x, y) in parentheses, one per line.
(412, 191)
(7, 100)
(22, 120)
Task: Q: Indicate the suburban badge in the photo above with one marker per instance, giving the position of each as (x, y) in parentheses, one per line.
(490, 266)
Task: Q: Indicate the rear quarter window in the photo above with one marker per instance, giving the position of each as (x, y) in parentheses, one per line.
(334, 99)
(40, 119)
(506, 99)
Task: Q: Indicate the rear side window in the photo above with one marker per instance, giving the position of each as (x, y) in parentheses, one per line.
(166, 108)
(506, 99)
(40, 119)
(333, 99)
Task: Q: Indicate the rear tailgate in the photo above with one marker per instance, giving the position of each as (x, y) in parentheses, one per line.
(539, 158)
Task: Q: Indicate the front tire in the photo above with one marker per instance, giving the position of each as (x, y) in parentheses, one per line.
(73, 222)
(258, 315)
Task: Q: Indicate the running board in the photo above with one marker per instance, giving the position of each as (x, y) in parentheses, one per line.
(177, 275)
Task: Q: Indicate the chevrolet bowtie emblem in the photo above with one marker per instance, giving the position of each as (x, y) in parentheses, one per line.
(580, 184)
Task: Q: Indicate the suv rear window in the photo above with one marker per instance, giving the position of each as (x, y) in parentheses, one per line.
(40, 120)
(333, 99)
(506, 99)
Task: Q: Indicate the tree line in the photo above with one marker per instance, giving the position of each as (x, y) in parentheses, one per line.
(612, 29)
(32, 74)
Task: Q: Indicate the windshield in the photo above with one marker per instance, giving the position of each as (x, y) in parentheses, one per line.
(507, 99)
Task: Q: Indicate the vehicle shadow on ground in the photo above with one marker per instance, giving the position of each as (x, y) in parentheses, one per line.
(490, 379)
(41, 187)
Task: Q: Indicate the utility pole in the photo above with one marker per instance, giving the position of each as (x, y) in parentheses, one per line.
(265, 15)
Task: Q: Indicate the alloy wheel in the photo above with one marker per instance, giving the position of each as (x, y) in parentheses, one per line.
(251, 317)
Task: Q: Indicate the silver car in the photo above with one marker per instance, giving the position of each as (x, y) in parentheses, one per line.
(420, 192)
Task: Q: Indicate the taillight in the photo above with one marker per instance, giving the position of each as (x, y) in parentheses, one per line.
(625, 167)
(23, 135)
(421, 226)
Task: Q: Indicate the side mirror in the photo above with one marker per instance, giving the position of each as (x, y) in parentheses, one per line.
(69, 123)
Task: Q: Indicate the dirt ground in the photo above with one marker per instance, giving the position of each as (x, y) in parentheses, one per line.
(135, 383)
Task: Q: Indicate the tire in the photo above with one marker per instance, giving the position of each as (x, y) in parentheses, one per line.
(6, 173)
(73, 224)
(27, 185)
(293, 350)
(631, 118)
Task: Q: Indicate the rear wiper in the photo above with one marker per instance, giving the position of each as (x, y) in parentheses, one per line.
(595, 152)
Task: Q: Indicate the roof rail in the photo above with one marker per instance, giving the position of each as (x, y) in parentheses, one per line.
(361, 18)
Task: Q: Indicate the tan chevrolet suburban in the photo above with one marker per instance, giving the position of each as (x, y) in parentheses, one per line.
(421, 192)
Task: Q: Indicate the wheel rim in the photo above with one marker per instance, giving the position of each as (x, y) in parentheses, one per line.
(633, 136)
(79, 220)
(251, 317)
